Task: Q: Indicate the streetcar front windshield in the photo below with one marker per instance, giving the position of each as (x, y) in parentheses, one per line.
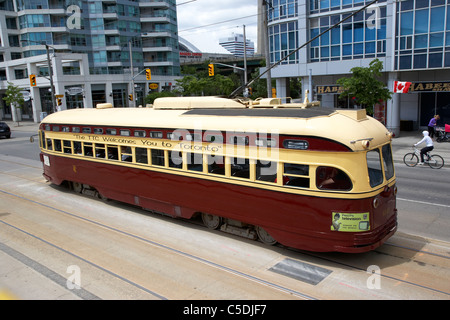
(388, 162)
(375, 158)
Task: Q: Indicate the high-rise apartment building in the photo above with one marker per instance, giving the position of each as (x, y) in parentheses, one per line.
(411, 38)
(234, 44)
(97, 50)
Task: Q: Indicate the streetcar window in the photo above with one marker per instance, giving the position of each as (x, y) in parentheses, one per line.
(175, 159)
(265, 142)
(193, 137)
(49, 144)
(88, 149)
(266, 171)
(374, 167)
(86, 130)
(388, 162)
(240, 168)
(195, 162)
(139, 133)
(126, 154)
(76, 129)
(157, 157)
(100, 151)
(42, 139)
(113, 153)
(141, 155)
(65, 129)
(112, 132)
(296, 169)
(169, 135)
(216, 164)
(125, 133)
(67, 145)
(56, 128)
(98, 131)
(296, 175)
(156, 134)
(47, 127)
(77, 147)
(329, 178)
(57, 144)
(216, 138)
(239, 140)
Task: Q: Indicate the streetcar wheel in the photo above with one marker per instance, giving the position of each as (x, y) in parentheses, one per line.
(211, 221)
(77, 187)
(265, 237)
(411, 159)
(436, 161)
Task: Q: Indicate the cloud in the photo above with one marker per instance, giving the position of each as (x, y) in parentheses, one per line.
(205, 22)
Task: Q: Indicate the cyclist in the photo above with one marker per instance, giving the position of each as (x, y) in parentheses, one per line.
(429, 145)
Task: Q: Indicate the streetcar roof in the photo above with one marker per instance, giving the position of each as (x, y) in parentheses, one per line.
(344, 126)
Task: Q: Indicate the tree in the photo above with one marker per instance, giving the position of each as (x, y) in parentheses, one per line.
(151, 97)
(365, 87)
(14, 97)
(191, 85)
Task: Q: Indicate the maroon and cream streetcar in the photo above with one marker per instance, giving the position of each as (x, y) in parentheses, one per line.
(304, 176)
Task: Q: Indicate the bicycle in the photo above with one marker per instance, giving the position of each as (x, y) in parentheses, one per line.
(435, 161)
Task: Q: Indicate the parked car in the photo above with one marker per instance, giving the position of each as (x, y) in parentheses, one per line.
(4, 130)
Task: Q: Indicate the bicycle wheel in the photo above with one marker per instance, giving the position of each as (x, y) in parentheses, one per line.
(411, 159)
(436, 161)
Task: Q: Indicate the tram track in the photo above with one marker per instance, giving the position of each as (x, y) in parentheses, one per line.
(342, 261)
(390, 275)
(233, 271)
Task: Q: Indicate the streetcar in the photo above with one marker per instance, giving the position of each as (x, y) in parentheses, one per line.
(296, 174)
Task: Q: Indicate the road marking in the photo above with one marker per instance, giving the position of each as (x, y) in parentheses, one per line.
(424, 202)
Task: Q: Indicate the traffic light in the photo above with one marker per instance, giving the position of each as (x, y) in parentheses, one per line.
(59, 101)
(148, 74)
(33, 80)
(210, 69)
(130, 97)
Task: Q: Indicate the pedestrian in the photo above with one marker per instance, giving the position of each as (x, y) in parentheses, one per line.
(432, 125)
(429, 145)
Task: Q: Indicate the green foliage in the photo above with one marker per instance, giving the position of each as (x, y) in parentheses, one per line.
(155, 95)
(198, 83)
(14, 96)
(259, 87)
(365, 87)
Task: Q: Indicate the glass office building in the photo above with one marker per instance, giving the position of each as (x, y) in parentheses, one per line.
(96, 48)
(411, 38)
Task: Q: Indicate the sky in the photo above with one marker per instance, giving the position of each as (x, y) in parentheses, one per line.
(204, 22)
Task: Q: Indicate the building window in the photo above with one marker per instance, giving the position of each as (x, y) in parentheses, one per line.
(283, 40)
(356, 38)
(422, 41)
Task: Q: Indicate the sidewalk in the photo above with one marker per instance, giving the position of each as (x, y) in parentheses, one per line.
(400, 146)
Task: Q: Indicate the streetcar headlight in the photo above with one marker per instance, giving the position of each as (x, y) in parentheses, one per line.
(376, 203)
(365, 144)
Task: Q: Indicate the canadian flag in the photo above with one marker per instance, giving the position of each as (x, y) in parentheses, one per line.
(401, 87)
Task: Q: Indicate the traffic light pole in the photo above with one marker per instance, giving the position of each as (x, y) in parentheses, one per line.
(52, 88)
(132, 75)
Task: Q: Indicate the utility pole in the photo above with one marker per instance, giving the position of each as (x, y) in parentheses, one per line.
(245, 57)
